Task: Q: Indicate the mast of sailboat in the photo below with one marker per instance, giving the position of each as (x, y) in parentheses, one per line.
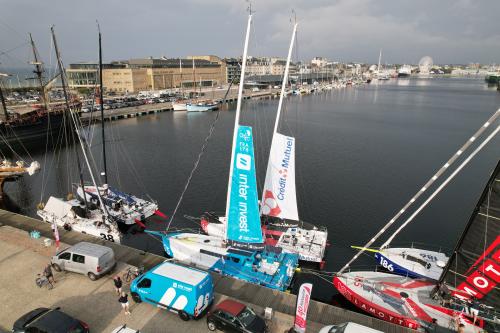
(75, 123)
(428, 184)
(180, 70)
(39, 74)
(101, 99)
(238, 110)
(2, 99)
(379, 59)
(285, 80)
(194, 78)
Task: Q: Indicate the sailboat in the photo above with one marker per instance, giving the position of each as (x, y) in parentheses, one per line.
(180, 105)
(125, 208)
(381, 75)
(200, 106)
(72, 214)
(413, 261)
(466, 291)
(241, 253)
(279, 214)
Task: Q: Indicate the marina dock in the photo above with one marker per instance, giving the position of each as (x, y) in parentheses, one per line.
(147, 109)
(95, 303)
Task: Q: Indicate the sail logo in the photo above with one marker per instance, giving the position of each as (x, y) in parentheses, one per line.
(243, 161)
(285, 164)
(270, 205)
(485, 274)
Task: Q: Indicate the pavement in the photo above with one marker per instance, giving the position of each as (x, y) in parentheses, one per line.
(94, 302)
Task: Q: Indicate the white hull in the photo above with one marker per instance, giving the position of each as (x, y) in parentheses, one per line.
(61, 213)
(179, 106)
(125, 213)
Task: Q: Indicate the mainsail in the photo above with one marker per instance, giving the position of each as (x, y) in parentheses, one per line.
(279, 198)
(474, 267)
(243, 225)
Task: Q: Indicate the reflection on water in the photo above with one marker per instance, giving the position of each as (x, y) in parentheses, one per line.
(361, 153)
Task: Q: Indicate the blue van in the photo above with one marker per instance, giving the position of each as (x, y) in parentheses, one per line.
(184, 290)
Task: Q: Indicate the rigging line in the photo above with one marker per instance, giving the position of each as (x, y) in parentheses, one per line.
(13, 49)
(203, 148)
(460, 167)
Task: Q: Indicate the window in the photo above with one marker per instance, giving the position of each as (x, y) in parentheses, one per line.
(78, 258)
(144, 283)
(65, 256)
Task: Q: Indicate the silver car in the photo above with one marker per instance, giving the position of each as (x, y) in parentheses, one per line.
(86, 258)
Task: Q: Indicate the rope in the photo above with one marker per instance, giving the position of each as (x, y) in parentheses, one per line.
(203, 148)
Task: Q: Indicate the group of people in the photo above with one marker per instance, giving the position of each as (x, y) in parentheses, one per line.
(123, 296)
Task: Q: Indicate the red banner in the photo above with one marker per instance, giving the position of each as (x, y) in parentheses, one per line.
(303, 299)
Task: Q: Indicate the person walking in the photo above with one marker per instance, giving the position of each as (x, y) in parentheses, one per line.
(461, 328)
(124, 302)
(47, 272)
(118, 284)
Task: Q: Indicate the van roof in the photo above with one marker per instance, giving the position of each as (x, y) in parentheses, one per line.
(89, 249)
(179, 273)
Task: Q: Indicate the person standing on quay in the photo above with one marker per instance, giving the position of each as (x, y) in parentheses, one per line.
(118, 284)
(124, 302)
(48, 273)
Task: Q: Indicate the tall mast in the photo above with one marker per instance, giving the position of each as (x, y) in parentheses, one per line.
(194, 78)
(285, 80)
(2, 99)
(238, 109)
(101, 99)
(180, 69)
(82, 145)
(379, 58)
(39, 74)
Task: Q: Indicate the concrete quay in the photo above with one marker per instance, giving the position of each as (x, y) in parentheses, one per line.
(21, 258)
(146, 109)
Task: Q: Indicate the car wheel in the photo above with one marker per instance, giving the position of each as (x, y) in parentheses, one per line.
(92, 276)
(183, 315)
(211, 326)
(136, 297)
(56, 267)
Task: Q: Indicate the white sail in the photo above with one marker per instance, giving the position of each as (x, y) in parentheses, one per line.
(279, 198)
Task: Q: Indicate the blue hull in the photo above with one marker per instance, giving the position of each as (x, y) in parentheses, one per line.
(242, 264)
(394, 268)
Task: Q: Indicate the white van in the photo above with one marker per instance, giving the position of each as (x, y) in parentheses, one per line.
(85, 258)
(348, 328)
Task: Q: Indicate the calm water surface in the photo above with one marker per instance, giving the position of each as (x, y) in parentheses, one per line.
(361, 154)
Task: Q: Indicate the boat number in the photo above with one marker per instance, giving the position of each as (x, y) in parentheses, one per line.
(107, 237)
(385, 263)
(358, 281)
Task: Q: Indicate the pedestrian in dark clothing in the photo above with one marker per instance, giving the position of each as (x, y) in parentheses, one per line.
(124, 302)
(118, 284)
(47, 272)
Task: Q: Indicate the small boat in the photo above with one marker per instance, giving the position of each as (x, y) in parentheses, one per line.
(404, 71)
(201, 106)
(179, 106)
(241, 252)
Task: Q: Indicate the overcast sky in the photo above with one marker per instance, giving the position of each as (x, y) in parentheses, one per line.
(450, 31)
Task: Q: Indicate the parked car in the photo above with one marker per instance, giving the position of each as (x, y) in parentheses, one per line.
(86, 258)
(184, 290)
(233, 316)
(348, 328)
(49, 321)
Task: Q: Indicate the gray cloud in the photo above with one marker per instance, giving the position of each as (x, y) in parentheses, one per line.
(450, 31)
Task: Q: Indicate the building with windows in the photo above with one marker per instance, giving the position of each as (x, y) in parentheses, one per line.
(141, 74)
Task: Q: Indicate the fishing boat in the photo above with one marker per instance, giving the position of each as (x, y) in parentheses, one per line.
(123, 207)
(279, 213)
(466, 291)
(73, 214)
(241, 253)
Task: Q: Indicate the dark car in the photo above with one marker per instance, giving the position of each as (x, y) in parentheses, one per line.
(232, 316)
(49, 321)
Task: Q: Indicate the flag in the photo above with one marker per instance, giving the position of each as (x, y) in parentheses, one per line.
(303, 299)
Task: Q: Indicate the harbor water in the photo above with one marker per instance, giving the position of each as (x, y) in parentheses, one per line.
(362, 152)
